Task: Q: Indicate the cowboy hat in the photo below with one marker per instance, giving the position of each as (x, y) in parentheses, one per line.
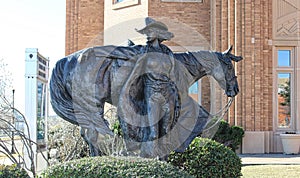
(157, 29)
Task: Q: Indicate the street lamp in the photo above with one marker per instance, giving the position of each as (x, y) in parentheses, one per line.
(13, 123)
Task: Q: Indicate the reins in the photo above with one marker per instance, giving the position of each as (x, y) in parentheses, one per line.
(220, 114)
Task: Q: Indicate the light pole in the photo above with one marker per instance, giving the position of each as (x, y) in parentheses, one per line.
(13, 123)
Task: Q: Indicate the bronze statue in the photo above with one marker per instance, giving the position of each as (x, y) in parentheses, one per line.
(154, 78)
(149, 85)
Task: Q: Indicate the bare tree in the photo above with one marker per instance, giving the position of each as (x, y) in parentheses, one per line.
(5, 81)
(9, 130)
(17, 157)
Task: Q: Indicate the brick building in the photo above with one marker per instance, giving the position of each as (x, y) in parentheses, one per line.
(265, 32)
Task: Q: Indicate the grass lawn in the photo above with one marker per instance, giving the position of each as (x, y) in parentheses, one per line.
(272, 171)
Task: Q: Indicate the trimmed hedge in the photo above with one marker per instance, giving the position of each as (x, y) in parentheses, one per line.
(230, 136)
(207, 158)
(108, 166)
(12, 171)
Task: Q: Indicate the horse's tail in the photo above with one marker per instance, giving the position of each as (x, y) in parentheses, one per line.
(61, 88)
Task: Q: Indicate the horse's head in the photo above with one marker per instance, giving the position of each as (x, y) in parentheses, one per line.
(226, 77)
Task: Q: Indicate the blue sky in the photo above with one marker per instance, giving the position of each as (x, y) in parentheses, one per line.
(30, 24)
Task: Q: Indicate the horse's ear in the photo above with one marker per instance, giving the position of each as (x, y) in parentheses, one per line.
(228, 51)
(232, 56)
(130, 43)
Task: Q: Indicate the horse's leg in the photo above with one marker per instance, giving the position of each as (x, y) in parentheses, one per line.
(90, 133)
(102, 93)
(85, 134)
(90, 136)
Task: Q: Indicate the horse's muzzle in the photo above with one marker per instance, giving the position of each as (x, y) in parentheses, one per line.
(232, 91)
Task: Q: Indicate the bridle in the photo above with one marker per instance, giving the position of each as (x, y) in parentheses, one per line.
(219, 115)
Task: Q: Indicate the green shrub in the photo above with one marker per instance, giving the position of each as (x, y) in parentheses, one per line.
(230, 136)
(113, 167)
(12, 171)
(207, 158)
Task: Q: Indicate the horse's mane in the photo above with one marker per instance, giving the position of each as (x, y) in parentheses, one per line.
(207, 59)
(199, 63)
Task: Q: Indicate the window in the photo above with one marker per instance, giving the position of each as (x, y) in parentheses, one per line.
(117, 1)
(119, 4)
(284, 100)
(285, 75)
(284, 58)
(41, 110)
(182, 0)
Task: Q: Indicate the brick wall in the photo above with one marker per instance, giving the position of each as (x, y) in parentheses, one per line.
(190, 22)
(195, 16)
(248, 26)
(84, 24)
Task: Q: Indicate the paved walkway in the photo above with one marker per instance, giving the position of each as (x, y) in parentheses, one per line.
(258, 159)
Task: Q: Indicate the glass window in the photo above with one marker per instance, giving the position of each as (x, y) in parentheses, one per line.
(41, 109)
(284, 58)
(117, 1)
(182, 1)
(284, 100)
(119, 4)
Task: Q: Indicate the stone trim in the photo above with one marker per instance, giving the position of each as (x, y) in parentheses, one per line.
(286, 19)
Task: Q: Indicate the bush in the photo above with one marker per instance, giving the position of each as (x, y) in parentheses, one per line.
(207, 158)
(114, 167)
(12, 171)
(230, 136)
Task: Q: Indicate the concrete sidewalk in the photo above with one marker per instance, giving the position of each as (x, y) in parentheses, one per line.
(259, 159)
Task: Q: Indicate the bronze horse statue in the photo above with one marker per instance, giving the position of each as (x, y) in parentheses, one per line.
(82, 82)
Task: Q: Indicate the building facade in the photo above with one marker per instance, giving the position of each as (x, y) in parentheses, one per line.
(265, 32)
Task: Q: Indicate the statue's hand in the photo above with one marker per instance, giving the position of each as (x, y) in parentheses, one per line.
(227, 54)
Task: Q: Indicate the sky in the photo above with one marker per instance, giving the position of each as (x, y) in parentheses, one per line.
(30, 24)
